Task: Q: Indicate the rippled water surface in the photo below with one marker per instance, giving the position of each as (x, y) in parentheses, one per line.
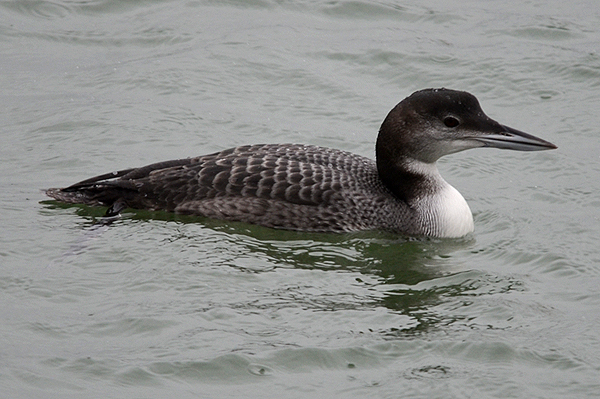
(157, 305)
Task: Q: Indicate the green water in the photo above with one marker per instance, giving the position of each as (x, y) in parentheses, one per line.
(157, 305)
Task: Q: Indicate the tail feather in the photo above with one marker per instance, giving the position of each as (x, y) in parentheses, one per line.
(120, 186)
(83, 196)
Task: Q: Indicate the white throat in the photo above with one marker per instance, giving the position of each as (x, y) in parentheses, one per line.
(442, 211)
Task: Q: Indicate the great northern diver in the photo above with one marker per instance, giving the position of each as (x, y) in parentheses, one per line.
(310, 188)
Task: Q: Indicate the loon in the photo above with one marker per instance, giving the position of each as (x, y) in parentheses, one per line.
(317, 189)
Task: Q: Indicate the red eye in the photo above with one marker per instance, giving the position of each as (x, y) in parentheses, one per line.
(451, 121)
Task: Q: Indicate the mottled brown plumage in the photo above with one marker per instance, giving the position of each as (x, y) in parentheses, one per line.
(287, 186)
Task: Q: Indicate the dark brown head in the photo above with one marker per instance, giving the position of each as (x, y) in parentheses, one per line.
(432, 123)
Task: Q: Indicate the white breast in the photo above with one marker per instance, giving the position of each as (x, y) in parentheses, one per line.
(443, 211)
(452, 214)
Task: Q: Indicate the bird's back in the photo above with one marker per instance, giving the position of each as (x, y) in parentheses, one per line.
(288, 186)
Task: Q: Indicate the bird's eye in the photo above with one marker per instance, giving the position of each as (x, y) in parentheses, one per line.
(451, 121)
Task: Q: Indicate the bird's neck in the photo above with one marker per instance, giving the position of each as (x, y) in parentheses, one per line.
(440, 210)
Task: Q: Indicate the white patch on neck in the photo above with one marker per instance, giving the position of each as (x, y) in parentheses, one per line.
(443, 212)
(453, 215)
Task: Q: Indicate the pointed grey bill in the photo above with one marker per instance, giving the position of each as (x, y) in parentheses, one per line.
(513, 139)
